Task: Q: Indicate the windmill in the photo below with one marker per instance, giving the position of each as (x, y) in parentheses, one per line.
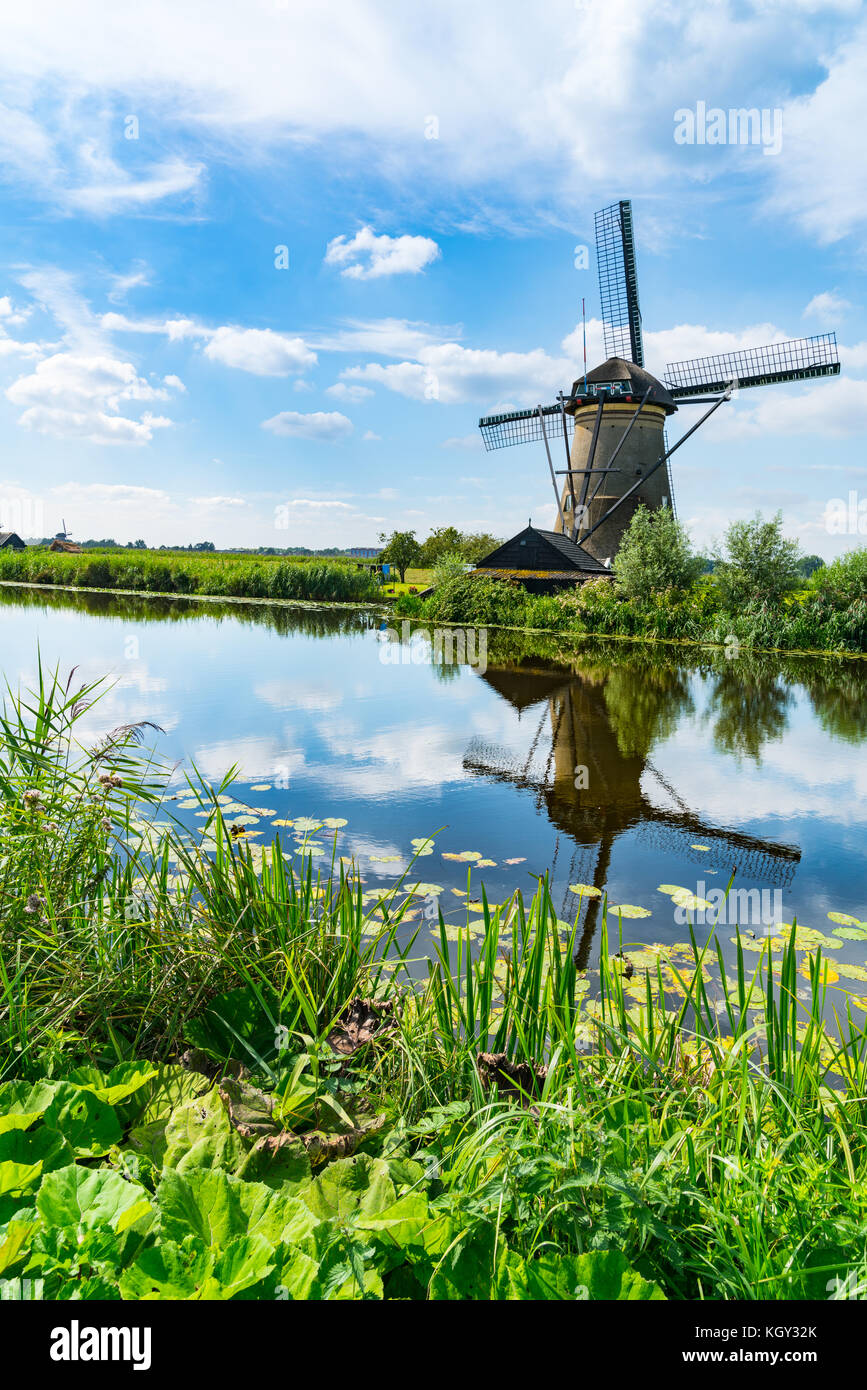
(615, 415)
(573, 708)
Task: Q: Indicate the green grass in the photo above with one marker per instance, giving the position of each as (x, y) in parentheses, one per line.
(654, 1145)
(828, 614)
(160, 572)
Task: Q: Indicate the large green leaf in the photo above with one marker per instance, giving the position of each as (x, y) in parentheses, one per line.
(25, 1155)
(90, 1126)
(90, 1198)
(598, 1275)
(358, 1184)
(199, 1135)
(217, 1207)
(171, 1087)
(15, 1242)
(190, 1270)
(22, 1102)
(115, 1086)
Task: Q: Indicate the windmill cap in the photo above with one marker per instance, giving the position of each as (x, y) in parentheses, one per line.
(618, 369)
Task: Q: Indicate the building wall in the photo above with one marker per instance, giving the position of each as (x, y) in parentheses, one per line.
(638, 455)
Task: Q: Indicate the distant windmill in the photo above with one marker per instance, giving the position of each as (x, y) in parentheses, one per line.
(616, 413)
(62, 535)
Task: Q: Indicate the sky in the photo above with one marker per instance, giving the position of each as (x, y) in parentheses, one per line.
(263, 267)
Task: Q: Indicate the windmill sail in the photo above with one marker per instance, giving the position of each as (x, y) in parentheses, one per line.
(519, 426)
(618, 283)
(797, 359)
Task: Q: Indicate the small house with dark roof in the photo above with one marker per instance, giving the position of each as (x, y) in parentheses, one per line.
(10, 540)
(542, 561)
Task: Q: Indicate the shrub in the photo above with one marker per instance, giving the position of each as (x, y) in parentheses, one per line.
(758, 565)
(655, 555)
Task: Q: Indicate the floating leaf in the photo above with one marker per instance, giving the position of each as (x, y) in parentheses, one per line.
(585, 889)
(522, 860)
(282, 822)
(335, 822)
(385, 858)
(705, 849)
(487, 864)
(851, 933)
(844, 918)
(850, 972)
(629, 910)
(307, 823)
(261, 787)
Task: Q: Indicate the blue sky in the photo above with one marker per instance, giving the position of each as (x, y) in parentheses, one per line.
(430, 172)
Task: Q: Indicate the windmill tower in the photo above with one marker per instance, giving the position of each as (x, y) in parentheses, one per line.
(616, 413)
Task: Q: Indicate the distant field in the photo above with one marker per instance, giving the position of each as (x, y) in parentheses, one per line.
(186, 572)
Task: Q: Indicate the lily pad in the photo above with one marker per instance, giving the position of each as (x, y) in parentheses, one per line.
(585, 889)
(629, 910)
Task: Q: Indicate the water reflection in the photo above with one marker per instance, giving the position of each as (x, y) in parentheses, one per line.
(587, 752)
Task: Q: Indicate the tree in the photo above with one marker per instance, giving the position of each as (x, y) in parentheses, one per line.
(808, 565)
(477, 545)
(758, 564)
(655, 554)
(401, 550)
(444, 540)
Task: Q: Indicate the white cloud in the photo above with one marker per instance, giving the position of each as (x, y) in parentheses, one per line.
(119, 494)
(518, 107)
(219, 501)
(320, 425)
(259, 350)
(451, 373)
(320, 504)
(827, 308)
(835, 408)
(342, 392)
(367, 256)
(821, 181)
(388, 337)
(122, 284)
(77, 396)
(369, 437)
(117, 192)
(11, 314)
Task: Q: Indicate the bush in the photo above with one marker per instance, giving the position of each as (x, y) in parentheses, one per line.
(655, 555)
(759, 565)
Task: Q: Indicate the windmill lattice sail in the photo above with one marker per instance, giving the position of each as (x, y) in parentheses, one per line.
(618, 283)
(797, 359)
(521, 426)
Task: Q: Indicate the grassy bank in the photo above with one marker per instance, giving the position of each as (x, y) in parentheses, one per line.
(829, 613)
(225, 1076)
(177, 573)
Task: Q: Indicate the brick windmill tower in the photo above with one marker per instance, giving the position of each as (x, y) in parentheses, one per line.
(615, 415)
